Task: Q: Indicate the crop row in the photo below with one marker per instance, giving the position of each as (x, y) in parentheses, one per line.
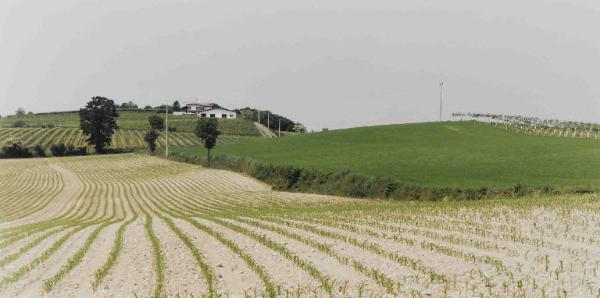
(122, 139)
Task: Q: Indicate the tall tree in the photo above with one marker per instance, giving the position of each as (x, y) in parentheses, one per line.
(150, 138)
(20, 112)
(130, 105)
(98, 122)
(176, 106)
(156, 122)
(208, 131)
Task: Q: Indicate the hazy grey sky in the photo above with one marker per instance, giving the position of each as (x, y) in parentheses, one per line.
(325, 63)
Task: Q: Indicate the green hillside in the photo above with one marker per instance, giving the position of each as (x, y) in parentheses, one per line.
(461, 154)
(133, 120)
(122, 139)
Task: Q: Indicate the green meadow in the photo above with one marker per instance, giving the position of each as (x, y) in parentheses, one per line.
(454, 154)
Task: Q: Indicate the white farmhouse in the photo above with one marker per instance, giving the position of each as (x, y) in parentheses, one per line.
(218, 113)
(209, 110)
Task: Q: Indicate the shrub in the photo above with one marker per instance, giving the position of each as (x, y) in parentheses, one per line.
(14, 148)
(20, 123)
(39, 151)
(58, 149)
(70, 150)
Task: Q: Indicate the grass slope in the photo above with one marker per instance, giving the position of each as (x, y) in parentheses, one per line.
(462, 154)
(134, 120)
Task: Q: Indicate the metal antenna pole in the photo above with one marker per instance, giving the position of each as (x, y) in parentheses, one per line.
(167, 131)
(279, 123)
(441, 98)
(268, 120)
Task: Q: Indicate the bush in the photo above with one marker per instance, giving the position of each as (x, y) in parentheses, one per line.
(19, 124)
(39, 151)
(70, 150)
(58, 149)
(14, 148)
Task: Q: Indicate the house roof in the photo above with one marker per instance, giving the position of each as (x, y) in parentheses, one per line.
(223, 109)
(208, 104)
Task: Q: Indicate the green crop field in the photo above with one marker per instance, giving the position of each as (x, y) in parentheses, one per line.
(122, 139)
(134, 120)
(461, 154)
(138, 226)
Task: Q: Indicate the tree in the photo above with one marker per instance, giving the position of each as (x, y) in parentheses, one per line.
(20, 112)
(98, 122)
(176, 106)
(148, 107)
(207, 130)
(20, 123)
(156, 122)
(130, 105)
(150, 138)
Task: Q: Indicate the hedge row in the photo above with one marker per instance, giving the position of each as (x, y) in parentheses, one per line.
(288, 178)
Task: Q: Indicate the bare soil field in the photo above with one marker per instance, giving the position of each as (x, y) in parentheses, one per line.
(138, 226)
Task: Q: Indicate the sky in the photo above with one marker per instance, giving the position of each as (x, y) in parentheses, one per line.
(325, 63)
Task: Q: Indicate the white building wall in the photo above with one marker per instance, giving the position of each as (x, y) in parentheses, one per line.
(218, 113)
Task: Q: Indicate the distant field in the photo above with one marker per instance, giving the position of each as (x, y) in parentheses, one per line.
(462, 154)
(134, 120)
(122, 139)
(136, 226)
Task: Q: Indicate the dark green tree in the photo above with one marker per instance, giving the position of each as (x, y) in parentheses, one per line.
(129, 106)
(98, 122)
(156, 122)
(176, 106)
(150, 138)
(207, 130)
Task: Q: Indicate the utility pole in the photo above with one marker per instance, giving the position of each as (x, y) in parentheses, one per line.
(268, 120)
(258, 111)
(167, 131)
(441, 98)
(279, 123)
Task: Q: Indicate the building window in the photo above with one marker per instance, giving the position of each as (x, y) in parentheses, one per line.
(223, 115)
(203, 115)
(212, 115)
(230, 115)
